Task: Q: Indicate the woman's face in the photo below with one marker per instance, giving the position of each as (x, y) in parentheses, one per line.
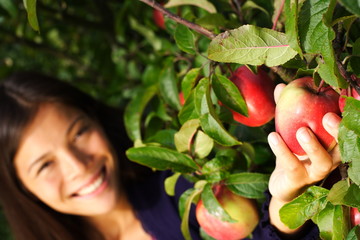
(66, 161)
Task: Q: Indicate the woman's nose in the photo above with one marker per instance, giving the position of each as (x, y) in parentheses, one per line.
(73, 162)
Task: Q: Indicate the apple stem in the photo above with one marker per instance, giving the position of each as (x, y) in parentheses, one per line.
(320, 86)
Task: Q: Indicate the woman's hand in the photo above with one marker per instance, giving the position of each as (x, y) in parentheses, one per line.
(292, 176)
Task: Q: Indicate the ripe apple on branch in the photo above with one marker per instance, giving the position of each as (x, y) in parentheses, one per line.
(303, 104)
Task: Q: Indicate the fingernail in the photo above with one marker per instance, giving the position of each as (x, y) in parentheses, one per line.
(331, 120)
(273, 139)
(304, 135)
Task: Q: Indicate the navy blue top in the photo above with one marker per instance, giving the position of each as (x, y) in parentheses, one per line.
(159, 215)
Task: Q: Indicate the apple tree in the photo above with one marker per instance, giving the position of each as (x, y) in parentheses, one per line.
(180, 101)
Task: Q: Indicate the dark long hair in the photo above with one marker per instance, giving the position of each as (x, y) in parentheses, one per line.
(20, 97)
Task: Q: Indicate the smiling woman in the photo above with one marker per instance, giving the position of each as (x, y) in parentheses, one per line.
(62, 158)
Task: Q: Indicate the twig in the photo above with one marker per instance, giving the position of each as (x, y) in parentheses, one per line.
(203, 31)
(237, 8)
(278, 15)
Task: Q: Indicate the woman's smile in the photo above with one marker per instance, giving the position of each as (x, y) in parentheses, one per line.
(95, 186)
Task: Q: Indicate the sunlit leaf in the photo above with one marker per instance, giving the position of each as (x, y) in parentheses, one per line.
(252, 45)
(208, 6)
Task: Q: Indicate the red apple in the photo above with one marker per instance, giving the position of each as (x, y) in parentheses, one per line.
(159, 18)
(241, 209)
(303, 104)
(354, 216)
(182, 99)
(257, 91)
(342, 100)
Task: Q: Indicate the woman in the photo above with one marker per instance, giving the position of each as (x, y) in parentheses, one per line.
(63, 169)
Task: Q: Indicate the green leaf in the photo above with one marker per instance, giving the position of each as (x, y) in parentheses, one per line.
(342, 193)
(213, 206)
(291, 25)
(188, 111)
(194, 103)
(170, 183)
(189, 81)
(349, 144)
(184, 136)
(185, 39)
(354, 233)
(164, 137)
(249, 185)
(297, 212)
(185, 201)
(251, 45)
(332, 222)
(217, 168)
(134, 111)
(203, 144)
(316, 36)
(214, 128)
(199, 3)
(162, 159)
(228, 93)
(150, 35)
(168, 85)
(10, 7)
(30, 6)
(352, 6)
(351, 115)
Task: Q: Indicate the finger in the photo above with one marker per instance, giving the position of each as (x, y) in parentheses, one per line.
(321, 161)
(331, 123)
(283, 154)
(278, 90)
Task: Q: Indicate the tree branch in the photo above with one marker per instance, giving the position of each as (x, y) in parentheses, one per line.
(197, 28)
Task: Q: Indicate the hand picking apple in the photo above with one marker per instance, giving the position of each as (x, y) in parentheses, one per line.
(291, 175)
(303, 104)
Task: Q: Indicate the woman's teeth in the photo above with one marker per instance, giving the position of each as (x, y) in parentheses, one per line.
(92, 187)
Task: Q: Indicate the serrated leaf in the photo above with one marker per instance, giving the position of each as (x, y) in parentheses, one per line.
(291, 25)
(343, 193)
(213, 206)
(30, 6)
(351, 115)
(349, 144)
(249, 185)
(208, 6)
(228, 93)
(134, 110)
(316, 36)
(162, 159)
(170, 183)
(352, 6)
(354, 233)
(203, 144)
(184, 136)
(168, 85)
(332, 222)
(251, 45)
(217, 168)
(185, 39)
(298, 211)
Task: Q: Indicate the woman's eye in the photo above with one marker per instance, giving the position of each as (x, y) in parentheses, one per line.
(44, 166)
(81, 131)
